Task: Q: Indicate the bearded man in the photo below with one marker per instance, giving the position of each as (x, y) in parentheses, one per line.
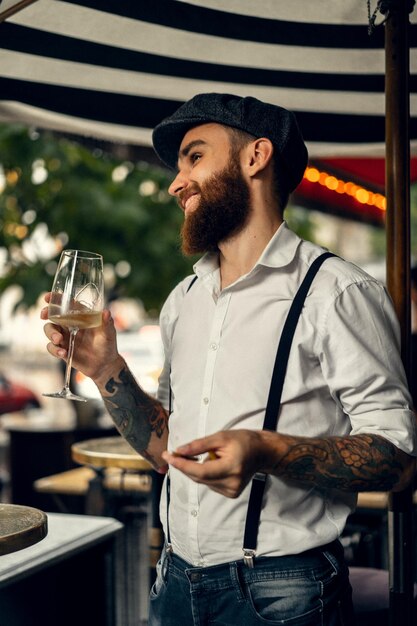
(262, 475)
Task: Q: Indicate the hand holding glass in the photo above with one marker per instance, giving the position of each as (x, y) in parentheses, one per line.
(76, 302)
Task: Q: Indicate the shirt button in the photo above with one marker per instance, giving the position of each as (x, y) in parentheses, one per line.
(205, 400)
(213, 346)
(194, 513)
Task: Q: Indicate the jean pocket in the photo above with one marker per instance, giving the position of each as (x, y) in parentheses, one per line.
(296, 601)
(160, 576)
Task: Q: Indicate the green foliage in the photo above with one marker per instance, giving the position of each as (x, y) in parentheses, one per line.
(58, 193)
(299, 220)
(379, 242)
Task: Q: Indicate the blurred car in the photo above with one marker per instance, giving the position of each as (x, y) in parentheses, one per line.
(15, 397)
(144, 354)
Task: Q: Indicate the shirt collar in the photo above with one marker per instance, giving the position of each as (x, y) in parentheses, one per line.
(281, 248)
(279, 252)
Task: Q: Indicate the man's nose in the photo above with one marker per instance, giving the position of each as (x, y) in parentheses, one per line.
(179, 183)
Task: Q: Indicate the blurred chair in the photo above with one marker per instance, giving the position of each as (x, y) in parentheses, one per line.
(371, 596)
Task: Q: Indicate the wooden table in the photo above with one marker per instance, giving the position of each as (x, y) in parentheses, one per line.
(68, 579)
(20, 527)
(75, 482)
(367, 528)
(109, 452)
(376, 500)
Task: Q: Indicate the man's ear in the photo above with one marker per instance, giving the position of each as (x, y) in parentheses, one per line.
(259, 155)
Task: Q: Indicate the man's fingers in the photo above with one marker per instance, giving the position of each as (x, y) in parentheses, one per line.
(56, 345)
(44, 313)
(53, 333)
(194, 468)
(56, 351)
(200, 446)
(215, 474)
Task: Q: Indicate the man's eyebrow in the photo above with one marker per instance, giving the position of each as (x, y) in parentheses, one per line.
(185, 151)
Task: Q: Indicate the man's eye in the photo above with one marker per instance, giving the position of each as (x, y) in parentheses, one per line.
(196, 156)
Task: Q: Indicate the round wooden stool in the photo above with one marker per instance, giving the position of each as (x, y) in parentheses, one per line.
(20, 527)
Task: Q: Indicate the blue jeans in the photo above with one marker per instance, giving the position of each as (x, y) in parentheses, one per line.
(309, 589)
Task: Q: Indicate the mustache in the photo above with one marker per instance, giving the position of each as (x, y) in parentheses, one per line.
(194, 188)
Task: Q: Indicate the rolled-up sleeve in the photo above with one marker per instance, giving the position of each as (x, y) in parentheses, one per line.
(361, 363)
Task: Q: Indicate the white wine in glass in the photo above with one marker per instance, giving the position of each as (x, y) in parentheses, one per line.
(76, 302)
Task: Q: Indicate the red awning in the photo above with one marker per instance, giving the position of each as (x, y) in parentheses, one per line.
(347, 187)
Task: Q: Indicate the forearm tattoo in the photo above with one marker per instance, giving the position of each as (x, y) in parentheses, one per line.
(136, 415)
(356, 463)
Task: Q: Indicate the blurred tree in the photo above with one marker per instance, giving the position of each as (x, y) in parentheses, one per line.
(56, 193)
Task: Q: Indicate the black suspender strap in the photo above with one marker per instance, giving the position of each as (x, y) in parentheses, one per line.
(273, 405)
(191, 283)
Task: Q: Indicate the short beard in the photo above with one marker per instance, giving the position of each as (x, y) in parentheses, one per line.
(222, 212)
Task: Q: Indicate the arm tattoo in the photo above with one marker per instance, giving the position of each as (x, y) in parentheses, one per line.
(136, 415)
(355, 463)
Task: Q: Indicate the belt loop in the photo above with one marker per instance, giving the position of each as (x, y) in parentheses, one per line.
(236, 580)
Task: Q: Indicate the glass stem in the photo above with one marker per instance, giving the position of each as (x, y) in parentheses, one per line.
(73, 332)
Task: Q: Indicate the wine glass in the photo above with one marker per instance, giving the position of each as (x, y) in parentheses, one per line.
(76, 302)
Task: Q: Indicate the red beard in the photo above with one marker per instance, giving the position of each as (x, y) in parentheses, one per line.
(222, 211)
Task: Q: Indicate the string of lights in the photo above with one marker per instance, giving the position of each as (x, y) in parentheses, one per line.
(362, 195)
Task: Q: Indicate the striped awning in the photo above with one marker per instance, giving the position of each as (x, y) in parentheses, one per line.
(112, 70)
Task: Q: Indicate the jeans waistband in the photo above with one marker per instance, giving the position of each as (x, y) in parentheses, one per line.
(308, 558)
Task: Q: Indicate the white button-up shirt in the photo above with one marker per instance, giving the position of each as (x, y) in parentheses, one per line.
(344, 376)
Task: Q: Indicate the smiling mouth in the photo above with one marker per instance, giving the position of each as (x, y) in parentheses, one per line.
(191, 203)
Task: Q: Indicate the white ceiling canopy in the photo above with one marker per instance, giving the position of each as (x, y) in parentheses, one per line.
(115, 71)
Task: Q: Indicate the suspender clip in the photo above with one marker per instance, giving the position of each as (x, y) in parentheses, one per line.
(168, 548)
(248, 556)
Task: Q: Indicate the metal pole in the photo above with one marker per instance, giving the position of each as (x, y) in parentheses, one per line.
(400, 514)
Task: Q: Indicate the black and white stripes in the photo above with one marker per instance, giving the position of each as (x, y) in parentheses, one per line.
(113, 70)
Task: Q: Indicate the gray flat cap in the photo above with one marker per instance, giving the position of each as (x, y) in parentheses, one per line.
(257, 118)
